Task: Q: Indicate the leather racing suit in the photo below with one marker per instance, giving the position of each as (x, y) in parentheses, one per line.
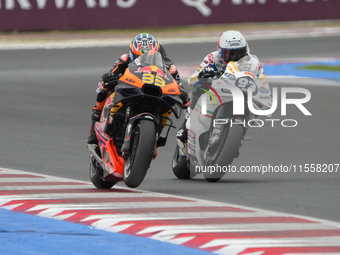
(105, 88)
(213, 63)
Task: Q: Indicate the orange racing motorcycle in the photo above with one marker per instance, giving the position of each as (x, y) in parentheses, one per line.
(132, 122)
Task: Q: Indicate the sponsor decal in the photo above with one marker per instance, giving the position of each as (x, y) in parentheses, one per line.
(264, 90)
(129, 80)
(264, 97)
(124, 57)
(211, 96)
(211, 58)
(152, 70)
(234, 44)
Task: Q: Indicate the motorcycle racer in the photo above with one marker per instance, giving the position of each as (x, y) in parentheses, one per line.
(231, 46)
(141, 44)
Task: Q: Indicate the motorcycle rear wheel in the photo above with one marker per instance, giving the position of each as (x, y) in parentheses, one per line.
(143, 142)
(228, 152)
(96, 176)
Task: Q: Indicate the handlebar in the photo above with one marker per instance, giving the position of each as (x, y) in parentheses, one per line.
(211, 74)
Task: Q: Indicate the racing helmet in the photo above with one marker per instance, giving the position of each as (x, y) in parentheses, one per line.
(142, 43)
(231, 46)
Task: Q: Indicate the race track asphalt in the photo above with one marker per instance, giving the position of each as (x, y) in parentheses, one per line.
(46, 98)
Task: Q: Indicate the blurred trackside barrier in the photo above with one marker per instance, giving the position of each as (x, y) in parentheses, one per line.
(35, 15)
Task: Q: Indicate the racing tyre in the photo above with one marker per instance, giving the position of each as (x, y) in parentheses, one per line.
(143, 145)
(227, 151)
(96, 176)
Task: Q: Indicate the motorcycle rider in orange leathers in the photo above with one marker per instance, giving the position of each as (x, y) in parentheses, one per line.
(142, 43)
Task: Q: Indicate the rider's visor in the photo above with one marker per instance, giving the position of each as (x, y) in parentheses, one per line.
(232, 54)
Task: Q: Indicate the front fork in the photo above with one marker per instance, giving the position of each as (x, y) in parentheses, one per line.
(126, 147)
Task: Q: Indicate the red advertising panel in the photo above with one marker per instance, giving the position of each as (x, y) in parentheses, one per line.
(24, 15)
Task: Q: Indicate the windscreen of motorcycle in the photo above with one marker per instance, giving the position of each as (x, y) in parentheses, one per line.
(150, 75)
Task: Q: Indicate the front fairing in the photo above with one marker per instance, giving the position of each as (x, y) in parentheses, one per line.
(151, 70)
(124, 93)
(235, 84)
(148, 77)
(248, 78)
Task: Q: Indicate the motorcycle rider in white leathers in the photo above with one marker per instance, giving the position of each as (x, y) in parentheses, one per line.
(231, 46)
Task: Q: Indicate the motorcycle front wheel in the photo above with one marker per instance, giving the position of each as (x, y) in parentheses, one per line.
(143, 145)
(228, 150)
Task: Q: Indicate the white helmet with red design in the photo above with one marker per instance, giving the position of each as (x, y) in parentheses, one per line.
(231, 46)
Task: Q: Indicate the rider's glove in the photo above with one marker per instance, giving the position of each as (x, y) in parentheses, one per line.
(207, 72)
(109, 81)
(185, 98)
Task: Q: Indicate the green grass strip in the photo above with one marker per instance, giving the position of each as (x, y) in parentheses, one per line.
(321, 68)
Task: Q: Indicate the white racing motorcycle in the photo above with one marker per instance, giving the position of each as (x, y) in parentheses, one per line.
(219, 122)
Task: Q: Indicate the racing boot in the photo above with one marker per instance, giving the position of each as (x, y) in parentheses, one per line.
(182, 133)
(95, 116)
